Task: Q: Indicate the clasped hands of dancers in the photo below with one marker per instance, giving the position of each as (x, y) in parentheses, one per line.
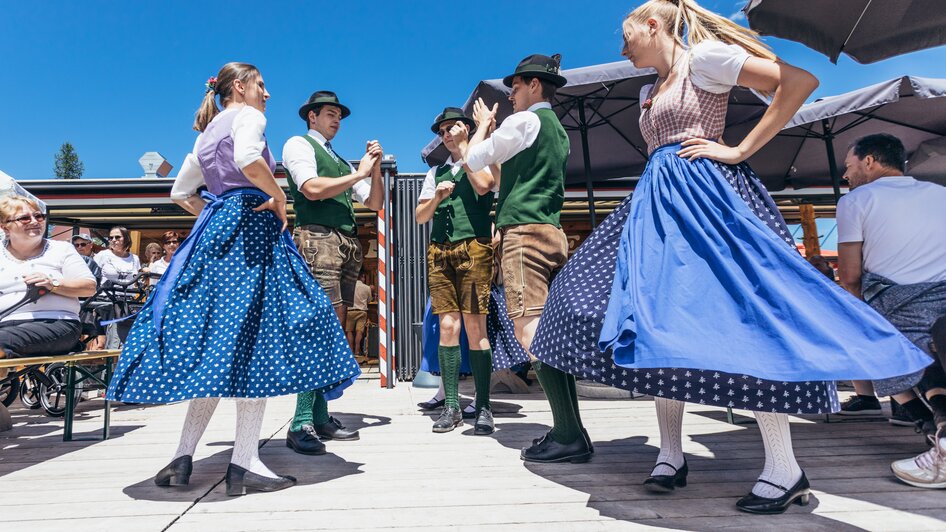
(239, 313)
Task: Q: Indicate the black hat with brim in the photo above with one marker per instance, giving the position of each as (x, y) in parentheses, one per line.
(452, 113)
(321, 98)
(539, 66)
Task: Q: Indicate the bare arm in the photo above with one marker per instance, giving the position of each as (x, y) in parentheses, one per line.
(261, 176)
(426, 208)
(791, 86)
(375, 199)
(482, 181)
(192, 204)
(850, 266)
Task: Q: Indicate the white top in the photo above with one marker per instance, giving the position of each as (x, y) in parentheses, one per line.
(429, 187)
(248, 144)
(362, 296)
(901, 222)
(59, 261)
(159, 266)
(115, 268)
(517, 133)
(298, 156)
(715, 66)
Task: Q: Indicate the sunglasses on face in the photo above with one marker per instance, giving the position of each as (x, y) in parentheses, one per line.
(115, 237)
(170, 242)
(82, 244)
(26, 218)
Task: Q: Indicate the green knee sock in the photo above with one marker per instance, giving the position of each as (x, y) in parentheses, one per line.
(449, 356)
(566, 428)
(573, 393)
(303, 415)
(482, 362)
(320, 410)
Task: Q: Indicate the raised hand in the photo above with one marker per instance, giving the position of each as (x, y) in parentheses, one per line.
(368, 160)
(483, 115)
(444, 189)
(460, 132)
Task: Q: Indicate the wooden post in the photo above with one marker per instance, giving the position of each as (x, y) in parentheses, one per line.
(136, 246)
(6, 423)
(809, 229)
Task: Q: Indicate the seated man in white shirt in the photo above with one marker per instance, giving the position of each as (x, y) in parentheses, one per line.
(892, 253)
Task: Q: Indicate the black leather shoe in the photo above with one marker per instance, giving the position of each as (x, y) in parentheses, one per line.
(450, 418)
(239, 481)
(431, 404)
(667, 483)
(798, 494)
(469, 414)
(484, 423)
(177, 473)
(591, 446)
(334, 430)
(548, 451)
(305, 441)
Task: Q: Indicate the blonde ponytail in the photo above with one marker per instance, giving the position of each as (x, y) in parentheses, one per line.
(222, 86)
(206, 112)
(689, 24)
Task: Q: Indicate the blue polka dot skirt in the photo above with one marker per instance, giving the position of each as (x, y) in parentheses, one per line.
(571, 324)
(245, 318)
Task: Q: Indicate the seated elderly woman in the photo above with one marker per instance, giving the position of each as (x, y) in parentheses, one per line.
(50, 326)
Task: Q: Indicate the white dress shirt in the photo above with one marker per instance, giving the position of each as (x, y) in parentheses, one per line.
(248, 145)
(516, 134)
(298, 156)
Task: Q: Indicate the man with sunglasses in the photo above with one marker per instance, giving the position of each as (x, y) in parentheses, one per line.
(323, 186)
(84, 245)
(459, 267)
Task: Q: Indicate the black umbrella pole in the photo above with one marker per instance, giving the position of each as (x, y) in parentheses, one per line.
(583, 128)
(832, 163)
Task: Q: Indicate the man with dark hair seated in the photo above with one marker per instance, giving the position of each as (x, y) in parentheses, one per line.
(892, 253)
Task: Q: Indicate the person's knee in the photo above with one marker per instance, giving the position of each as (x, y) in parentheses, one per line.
(449, 328)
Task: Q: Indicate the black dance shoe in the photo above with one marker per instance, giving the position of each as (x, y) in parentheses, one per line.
(334, 430)
(239, 481)
(305, 441)
(667, 483)
(484, 423)
(431, 404)
(450, 418)
(798, 494)
(549, 451)
(469, 414)
(591, 446)
(177, 473)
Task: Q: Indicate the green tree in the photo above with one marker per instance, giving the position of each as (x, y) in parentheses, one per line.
(68, 165)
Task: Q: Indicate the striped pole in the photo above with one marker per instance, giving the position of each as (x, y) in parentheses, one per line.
(385, 285)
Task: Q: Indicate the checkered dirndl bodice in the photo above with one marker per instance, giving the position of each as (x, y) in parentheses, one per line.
(683, 112)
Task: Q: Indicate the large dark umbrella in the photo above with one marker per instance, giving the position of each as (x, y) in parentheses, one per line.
(928, 162)
(866, 30)
(810, 150)
(599, 108)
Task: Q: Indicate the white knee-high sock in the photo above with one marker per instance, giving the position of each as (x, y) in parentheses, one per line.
(670, 422)
(440, 393)
(199, 412)
(249, 421)
(780, 465)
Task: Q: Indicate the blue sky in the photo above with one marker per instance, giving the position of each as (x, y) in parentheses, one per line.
(118, 79)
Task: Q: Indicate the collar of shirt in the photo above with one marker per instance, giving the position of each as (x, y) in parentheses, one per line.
(318, 137)
(456, 167)
(894, 179)
(541, 105)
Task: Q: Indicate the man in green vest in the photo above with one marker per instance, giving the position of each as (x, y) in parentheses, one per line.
(323, 186)
(459, 267)
(532, 148)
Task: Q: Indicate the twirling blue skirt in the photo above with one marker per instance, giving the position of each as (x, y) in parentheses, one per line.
(693, 290)
(238, 314)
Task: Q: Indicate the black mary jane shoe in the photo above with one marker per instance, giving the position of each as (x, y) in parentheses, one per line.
(305, 441)
(549, 451)
(799, 494)
(239, 481)
(177, 473)
(431, 404)
(334, 430)
(667, 483)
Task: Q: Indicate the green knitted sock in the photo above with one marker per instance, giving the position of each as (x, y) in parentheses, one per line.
(573, 393)
(320, 410)
(303, 415)
(565, 427)
(482, 363)
(450, 373)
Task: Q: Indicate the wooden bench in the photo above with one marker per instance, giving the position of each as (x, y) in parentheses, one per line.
(72, 362)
